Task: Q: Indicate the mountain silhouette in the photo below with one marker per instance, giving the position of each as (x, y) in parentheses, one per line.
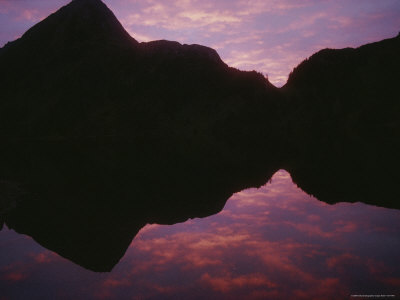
(102, 134)
(83, 75)
(345, 113)
(80, 21)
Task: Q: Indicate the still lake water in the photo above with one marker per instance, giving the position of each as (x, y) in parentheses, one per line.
(275, 242)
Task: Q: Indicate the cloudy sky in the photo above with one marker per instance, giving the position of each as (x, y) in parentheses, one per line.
(270, 36)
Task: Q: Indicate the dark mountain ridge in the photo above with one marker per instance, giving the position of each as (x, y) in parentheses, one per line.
(84, 75)
(98, 128)
(80, 20)
(345, 106)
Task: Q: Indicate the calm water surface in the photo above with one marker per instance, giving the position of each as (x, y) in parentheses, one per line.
(275, 242)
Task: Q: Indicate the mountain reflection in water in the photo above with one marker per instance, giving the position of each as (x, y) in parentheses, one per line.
(275, 242)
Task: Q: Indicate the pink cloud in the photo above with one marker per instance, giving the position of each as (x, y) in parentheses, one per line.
(113, 283)
(228, 282)
(14, 276)
(45, 257)
(341, 261)
(311, 229)
(29, 15)
(328, 288)
(393, 281)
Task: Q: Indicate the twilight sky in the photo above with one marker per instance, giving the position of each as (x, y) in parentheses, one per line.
(269, 36)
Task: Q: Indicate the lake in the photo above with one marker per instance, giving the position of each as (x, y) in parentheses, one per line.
(275, 242)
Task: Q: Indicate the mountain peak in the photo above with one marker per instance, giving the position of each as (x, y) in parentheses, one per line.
(81, 21)
(90, 1)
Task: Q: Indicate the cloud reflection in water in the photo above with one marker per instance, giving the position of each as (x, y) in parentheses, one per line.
(274, 242)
